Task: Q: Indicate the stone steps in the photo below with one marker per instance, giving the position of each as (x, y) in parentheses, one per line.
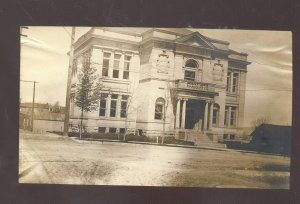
(203, 140)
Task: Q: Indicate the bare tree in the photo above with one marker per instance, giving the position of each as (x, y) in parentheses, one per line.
(130, 108)
(262, 120)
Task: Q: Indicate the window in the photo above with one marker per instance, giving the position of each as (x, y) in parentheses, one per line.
(113, 105)
(189, 75)
(116, 67)
(233, 116)
(106, 58)
(101, 129)
(228, 136)
(159, 107)
(235, 82)
(190, 70)
(126, 67)
(122, 130)
(124, 106)
(191, 64)
(232, 82)
(215, 115)
(230, 116)
(112, 130)
(228, 81)
(103, 104)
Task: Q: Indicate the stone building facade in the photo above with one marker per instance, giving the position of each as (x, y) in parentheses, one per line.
(174, 81)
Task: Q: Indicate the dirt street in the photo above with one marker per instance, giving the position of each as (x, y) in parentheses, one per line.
(54, 159)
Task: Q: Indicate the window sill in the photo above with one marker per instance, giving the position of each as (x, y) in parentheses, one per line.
(231, 128)
(108, 79)
(232, 94)
(159, 120)
(111, 118)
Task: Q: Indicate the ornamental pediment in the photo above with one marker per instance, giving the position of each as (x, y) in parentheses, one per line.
(196, 39)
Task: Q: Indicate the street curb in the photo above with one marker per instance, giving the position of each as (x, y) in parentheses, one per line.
(148, 143)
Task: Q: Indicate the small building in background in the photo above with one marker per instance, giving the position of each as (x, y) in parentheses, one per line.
(272, 139)
(47, 117)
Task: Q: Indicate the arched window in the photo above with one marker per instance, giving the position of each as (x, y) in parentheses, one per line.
(191, 67)
(159, 108)
(215, 119)
(191, 63)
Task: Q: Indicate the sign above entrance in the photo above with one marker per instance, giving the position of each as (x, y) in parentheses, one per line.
(193, 85)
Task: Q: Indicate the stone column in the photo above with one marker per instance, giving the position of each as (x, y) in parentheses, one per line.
(183, 114)
(178, 113)
(211, 115)
(205, 116)
(229, 116)
(121, 67)
(108, 100)
(118, 109)
(111, 65)
(231, 81)
(100, 62)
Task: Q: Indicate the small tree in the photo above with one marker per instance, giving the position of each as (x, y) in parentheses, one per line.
(56, 107)
(169, 95)
(87, 89)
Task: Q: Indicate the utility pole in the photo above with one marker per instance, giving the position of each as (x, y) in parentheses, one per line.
(21, 29)
(32, 111)
(33, 99)
(67, 110)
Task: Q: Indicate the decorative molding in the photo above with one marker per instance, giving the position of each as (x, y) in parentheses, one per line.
(218, 72)
(163, 62)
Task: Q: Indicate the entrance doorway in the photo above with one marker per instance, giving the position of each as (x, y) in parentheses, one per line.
(190, 119)
(194, 115)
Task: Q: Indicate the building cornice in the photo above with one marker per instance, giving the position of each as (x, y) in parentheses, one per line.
(92, 37)
(238, 69)
(174, 44)
(114, 49)
(239, 61)
(217, 40)
(112, 29)
(162, 31)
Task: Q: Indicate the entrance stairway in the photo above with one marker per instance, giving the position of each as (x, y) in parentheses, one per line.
(202, 139)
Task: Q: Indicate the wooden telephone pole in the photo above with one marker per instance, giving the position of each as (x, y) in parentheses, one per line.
(67, 110)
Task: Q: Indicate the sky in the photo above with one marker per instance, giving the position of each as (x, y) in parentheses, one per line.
(269, 79)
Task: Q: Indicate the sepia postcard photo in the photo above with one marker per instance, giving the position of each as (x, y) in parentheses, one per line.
(182, 107)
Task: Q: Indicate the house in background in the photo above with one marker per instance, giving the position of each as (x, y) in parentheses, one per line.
(159, 80)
